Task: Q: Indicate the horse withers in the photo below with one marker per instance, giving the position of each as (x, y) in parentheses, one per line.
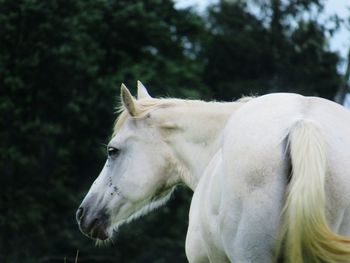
(270, 175)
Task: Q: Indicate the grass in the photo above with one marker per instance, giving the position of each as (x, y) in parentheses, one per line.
(76, 258)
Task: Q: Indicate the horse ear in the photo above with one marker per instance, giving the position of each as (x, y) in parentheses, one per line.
(142, 92)
(128, 100)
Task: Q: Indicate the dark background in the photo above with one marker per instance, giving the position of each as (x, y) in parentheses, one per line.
(61, 65)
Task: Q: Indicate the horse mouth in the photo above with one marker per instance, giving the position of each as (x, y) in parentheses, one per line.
(95, 228)
(98, 231)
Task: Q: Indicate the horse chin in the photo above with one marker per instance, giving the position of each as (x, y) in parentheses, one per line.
(100, 233)
(101, 236)
(106, 239)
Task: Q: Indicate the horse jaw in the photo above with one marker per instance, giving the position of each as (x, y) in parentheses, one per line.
(145, 208)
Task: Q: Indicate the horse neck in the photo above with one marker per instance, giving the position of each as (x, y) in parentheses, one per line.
(201, 125)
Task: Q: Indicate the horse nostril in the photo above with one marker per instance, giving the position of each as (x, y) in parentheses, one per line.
(80, 213)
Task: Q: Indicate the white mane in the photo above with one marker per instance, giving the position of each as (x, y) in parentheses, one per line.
(144, 106)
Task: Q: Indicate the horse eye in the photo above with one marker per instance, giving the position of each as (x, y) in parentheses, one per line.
(112, 152)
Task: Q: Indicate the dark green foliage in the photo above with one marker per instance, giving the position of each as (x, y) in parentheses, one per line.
(238, 53)
(61, 64)
(255, 55)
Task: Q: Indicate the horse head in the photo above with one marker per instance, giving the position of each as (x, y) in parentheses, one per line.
(139, 173)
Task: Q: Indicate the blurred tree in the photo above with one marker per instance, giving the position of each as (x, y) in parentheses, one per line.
(60, 65)
(283, 48)
(344, 88)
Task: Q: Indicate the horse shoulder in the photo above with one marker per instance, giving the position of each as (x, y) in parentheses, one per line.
(203, 239)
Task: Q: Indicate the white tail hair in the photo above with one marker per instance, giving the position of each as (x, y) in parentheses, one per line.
(306, 236)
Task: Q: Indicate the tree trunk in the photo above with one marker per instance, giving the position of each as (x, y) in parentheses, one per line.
(344, 87)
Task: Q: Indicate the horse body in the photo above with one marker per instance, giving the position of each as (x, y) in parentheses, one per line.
(237, 158)
(241, 202)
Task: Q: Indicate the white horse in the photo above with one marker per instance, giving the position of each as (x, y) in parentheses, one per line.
(270, 175)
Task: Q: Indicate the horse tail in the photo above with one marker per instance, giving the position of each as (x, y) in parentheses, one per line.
(306, 236)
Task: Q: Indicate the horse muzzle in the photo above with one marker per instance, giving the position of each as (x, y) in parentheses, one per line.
(93, 224)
